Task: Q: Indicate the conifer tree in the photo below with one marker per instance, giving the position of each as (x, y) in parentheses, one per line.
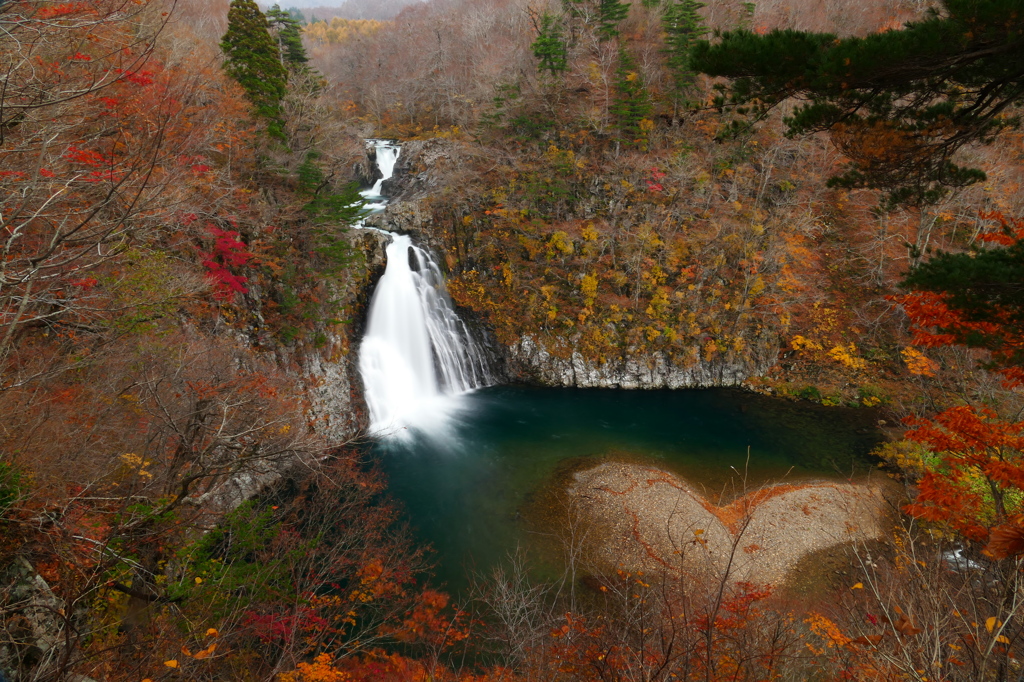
(289, 37)
(898, 103)
(550, 48)
(606, 14)
(683, 26)
(255, 62)
(610, 14)
(632, 104)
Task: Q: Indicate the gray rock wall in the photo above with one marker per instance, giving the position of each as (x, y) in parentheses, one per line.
(530, 362)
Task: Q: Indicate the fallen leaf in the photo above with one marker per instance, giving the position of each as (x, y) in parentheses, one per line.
(173, 663)
(858, 586)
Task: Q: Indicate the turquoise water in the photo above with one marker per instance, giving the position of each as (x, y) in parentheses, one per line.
(467, 493)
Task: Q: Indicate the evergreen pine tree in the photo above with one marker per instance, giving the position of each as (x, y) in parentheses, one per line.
(610, 14)
(683, 27)
(550, 48)
(632, 104)
(899, 103)
(287, 29)
(255, 62)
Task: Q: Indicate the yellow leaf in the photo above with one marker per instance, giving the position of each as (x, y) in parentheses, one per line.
(1002, 640)
(173, 663)
(990, 623)
(205, 653)
(198, 580)
(858, 586)
(212, 632)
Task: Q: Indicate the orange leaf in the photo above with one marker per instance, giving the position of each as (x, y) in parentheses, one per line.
(1005, 541)
(205, 653)
(867, 640)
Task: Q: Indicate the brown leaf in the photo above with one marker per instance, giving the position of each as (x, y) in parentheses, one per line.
(206, 653)
(1005, 541)
(867, 640)
(905, 627)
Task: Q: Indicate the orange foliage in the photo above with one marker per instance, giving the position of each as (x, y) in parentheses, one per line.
(971, 443)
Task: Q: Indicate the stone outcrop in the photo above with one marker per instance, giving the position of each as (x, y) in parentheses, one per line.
(31, 629)
(424, 167)
(530, 362)
(644, 519)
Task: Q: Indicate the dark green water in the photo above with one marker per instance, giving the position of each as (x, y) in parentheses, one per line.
(465, 493)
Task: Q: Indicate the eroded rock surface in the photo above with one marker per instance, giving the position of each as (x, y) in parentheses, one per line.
(645, 519)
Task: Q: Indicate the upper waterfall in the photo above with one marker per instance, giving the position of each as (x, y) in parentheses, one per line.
(387, 156)
(417, 357)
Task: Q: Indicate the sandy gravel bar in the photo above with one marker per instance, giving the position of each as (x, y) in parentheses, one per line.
(642, 518)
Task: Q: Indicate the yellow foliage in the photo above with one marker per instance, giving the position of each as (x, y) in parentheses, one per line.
(847, 356)
(133, 461)
(342, 30)
(320, 670)
(588, 287)
(561, 242)
(802, 343)
(828, 631)
(757, 287)
(659, 303)
(905, 454)
(918, 363)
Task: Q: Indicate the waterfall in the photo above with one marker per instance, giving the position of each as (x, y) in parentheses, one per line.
(387, 157)
(417, 357)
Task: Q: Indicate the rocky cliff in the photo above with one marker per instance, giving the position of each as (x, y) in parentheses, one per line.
(423, 180)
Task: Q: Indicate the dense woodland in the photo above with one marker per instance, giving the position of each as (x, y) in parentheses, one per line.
(832, 189)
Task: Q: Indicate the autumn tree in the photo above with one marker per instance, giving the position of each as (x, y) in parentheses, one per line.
(975, 298)
(84, 169)
(252, 58)
(899, 104)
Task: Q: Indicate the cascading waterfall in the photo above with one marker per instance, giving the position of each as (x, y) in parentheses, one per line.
(417, 357)
(387, 157)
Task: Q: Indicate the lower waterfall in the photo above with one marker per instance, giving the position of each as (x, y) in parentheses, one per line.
(417, 357)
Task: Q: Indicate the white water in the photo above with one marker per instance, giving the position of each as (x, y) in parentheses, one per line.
(387, 157)
(417, 357)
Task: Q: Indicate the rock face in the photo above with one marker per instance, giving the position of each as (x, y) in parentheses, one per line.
(31, 630)
(417, 171)
(529, 361)
(646, 519)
